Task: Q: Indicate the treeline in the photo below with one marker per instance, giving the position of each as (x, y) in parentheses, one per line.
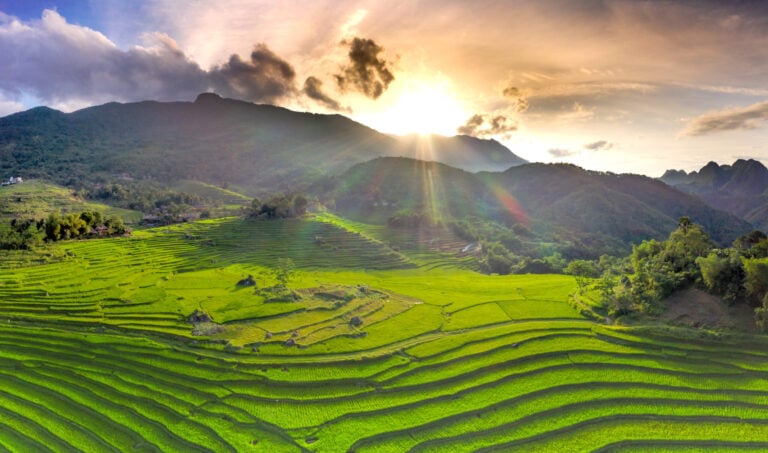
(640, 282)
(282, 206)
(146, 198)
(29, 233)
(511, 249)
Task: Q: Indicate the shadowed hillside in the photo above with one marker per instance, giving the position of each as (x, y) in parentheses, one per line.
(594, 211)
(739, 188)
(215, 140)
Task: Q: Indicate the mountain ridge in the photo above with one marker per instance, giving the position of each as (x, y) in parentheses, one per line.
(740, 188)
(603, 212)
(258, 147)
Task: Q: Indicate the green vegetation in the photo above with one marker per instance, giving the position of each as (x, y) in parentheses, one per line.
(643, 282)
(30, 233)
(393, 324)
(36, 199)
(172, 339)
(286, 206)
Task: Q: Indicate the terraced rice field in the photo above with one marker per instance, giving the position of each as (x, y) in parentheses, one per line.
(97, 354)
(36, 199)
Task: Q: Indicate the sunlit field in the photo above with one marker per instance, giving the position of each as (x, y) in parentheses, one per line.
(378, 349)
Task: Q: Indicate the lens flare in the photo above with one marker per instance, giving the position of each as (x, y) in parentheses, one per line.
(512, 206)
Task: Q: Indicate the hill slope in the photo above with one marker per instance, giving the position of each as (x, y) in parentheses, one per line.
(597, 211)
(215, 140)
(36, 199)
(739, 188)
(100, 351)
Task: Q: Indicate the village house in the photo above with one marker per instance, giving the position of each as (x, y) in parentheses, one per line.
(13, 180)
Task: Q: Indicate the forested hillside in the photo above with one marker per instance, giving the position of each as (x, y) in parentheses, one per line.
(586, 213)
(259, 148)
(739, 188)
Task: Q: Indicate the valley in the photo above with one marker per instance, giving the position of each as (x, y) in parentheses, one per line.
(392, 298)
(370, 226)
(98, 351)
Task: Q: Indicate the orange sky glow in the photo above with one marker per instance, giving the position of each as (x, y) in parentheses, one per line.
(614, 85)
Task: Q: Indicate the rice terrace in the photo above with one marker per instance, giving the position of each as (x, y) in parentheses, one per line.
(376, 226)
(99, 354)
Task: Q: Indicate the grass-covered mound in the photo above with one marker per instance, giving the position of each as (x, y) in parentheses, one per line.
(99, 351)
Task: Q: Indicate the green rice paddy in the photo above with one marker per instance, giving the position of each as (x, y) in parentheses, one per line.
(36, 199)
(97, 352)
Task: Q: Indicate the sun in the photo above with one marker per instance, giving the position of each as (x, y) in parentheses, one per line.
(419, 108)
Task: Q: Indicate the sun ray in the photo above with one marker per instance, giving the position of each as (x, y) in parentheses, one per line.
(419, 108)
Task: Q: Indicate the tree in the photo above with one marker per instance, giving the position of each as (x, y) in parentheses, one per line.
(115, 225)
(92, 218)
(583, 270)
(747, 241)
(53, 227)
(282, 206)
(723, 273)
(756, 278)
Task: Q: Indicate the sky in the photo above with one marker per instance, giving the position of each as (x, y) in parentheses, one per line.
(609, 85)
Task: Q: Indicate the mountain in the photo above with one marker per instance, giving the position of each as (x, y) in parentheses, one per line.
(259, 148)
(376, 190)
(462, 151)
(595, 212)
(740, 188)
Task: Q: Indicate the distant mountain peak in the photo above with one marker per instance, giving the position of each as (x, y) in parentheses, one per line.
(739, 188)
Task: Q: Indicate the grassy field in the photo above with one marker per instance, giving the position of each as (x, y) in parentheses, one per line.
(97, 352)
(36, 199)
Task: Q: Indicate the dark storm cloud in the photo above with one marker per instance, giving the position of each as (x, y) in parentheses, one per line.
(266, 77)
(68, 66)
(727, 120)
(488, 125)
(313, 88)
(366, 71)
(599, 145)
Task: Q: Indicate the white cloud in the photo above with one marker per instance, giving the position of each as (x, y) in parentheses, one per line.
(8, 106)
(599, 145)
(748, 117)
(559, 153)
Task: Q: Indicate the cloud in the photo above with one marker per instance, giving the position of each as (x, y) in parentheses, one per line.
(599, 145)
(560, 152)
(590, 89)
(313, 88)
(472, 125)
(488, 125)
(66, 65)
(519, 100)
(8, 107)
(366, 72)
(577, 112)
(728, 120)
(266, 77)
